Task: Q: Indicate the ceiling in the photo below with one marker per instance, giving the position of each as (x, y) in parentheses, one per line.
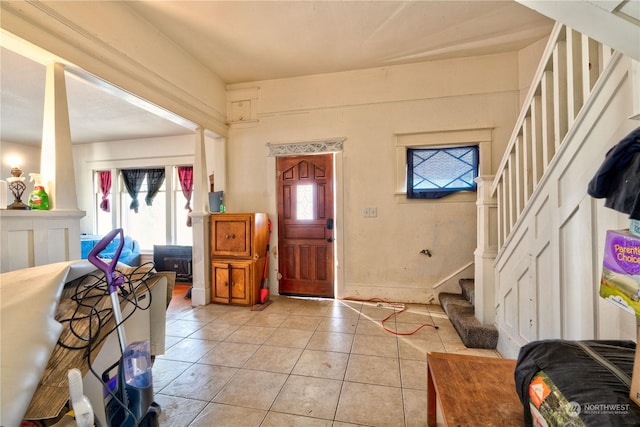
(245, 41)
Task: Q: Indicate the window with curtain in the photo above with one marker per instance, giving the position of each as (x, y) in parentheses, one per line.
(105, 188)
(161, 219)
(433, 173)
(145, 222)
(132, 179)
(185, 178)
(102, 203)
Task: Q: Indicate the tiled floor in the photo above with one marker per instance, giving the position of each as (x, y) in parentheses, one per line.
(299, 362)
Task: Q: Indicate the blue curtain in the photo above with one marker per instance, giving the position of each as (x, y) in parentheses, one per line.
(155, 178)
(132, 181)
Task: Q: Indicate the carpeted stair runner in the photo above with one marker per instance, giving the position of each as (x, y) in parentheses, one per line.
(461, 312)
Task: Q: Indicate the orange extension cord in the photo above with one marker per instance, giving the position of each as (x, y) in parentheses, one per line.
(403, 308)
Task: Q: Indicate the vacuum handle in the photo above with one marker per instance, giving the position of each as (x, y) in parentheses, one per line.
(107, 268)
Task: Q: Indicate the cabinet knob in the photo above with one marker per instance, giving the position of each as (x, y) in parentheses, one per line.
(230, 236)
(226, 284)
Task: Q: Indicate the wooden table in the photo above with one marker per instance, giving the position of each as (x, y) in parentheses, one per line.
(472, 390)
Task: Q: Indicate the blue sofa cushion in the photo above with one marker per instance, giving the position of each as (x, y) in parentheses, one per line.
(130, 254)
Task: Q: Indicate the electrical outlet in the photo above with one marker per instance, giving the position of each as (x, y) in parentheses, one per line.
(370, 212)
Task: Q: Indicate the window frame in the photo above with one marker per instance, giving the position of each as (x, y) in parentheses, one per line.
(439, 192)
(482, 137)
(171, 191)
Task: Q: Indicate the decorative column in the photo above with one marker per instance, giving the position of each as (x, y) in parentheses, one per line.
(486, 251)
(56, 158)
(201, 291)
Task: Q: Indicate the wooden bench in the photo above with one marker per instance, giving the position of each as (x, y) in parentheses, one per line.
(472, 391)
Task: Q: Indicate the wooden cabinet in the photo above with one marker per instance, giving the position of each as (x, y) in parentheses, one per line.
(238, 245)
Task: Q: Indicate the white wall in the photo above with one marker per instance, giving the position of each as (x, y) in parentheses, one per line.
(30, 162)
(153, 67)
(370, 108)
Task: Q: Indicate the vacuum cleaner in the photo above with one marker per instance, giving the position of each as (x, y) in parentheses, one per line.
(128, 383)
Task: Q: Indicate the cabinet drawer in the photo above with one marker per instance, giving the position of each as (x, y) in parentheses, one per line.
(231, 235)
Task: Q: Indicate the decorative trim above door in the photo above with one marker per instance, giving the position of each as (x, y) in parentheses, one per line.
(308, 147)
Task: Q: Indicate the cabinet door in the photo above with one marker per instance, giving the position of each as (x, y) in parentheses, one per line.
(231, 282)
(231, 235)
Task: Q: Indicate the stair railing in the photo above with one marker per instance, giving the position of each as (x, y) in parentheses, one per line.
(570, 67)
(452, 275)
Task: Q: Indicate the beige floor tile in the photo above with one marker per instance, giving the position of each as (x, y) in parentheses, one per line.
(252, 389)
(417, 349)
(322, 364)
(229, 416)
(300, 362)
(356, 305)
(414, 316)
(312, 310)
(440, 319)
(296, 321)
(373, 370)
(415, 407)
(164, 371)
(230, 354)
(371, 405)
(272, 320)
(251, 334)
(310, 397)
(293, 338)
(170, 341)
(435, 308)
(277, 419)
(183, 328)
(237, 317)
(331, 341)
(215, 331)
(453, 346)
(373, 345)
(343, 311)
(414, 331)
(424, 330)
(368, 327)
(204, 313)
(345, 325)
(178, 411)
(284, 304)
(274, 359)
(413, 374)
(200, 382)
(377, 312)
(190, 350)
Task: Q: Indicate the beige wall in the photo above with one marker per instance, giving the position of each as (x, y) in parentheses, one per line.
(370, 108)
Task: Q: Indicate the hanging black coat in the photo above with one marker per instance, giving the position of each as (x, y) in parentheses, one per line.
(618, 178)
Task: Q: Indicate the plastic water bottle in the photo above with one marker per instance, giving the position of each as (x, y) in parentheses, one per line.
(137, 364)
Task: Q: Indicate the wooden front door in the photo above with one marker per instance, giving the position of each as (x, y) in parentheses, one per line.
(305, 225)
